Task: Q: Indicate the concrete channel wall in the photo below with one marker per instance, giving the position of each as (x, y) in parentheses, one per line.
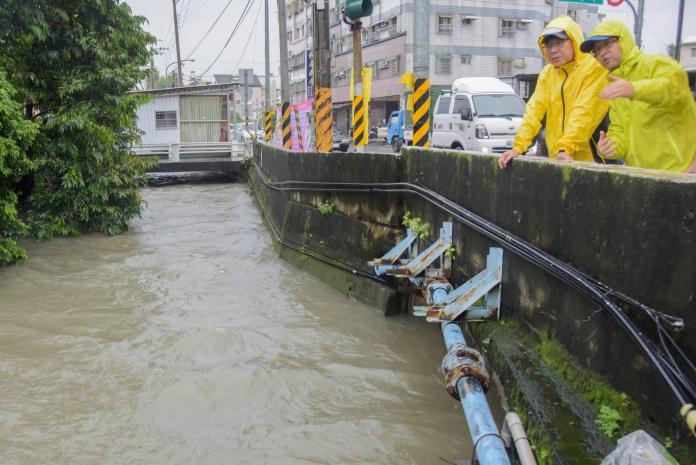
(568, 369)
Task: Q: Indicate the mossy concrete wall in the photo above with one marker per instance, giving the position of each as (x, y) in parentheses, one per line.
(634, 230)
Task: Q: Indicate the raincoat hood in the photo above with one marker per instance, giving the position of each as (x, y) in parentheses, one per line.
(572, 30)
(629, 49)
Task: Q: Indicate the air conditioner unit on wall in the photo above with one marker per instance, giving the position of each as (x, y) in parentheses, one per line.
(522, 26)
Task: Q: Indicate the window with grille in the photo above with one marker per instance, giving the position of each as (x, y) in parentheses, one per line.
(444, 25)
(504, 66)
(507, 28)
(165, 119)
(466, 59)
(443, 64)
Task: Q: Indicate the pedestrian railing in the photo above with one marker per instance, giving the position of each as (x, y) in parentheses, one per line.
(194, 151)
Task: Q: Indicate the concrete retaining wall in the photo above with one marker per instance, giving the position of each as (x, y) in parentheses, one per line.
(564, 366)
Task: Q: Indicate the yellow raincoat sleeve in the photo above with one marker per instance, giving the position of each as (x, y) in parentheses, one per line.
(665, 87)
(533, 114)
(617, 133)
(587, 112)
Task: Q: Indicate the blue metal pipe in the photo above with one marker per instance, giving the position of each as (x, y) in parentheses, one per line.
(490, 449)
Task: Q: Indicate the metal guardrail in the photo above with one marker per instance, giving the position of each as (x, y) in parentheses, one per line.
(195, 151)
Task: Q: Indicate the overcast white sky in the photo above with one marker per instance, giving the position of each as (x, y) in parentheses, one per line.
(246, 48)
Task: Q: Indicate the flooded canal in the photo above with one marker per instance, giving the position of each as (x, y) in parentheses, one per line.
(188, 341)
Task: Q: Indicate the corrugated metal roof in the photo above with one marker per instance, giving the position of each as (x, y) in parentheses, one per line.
(221, 89)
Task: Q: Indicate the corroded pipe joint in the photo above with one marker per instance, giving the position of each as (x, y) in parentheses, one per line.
(460, 361)
(435, 285)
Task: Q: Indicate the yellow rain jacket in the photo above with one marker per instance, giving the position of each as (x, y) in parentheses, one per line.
(657, 127)
(569, 98)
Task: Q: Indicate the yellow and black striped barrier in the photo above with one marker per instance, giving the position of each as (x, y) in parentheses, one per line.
(323, 119)
(268, 125)
(421, 113)
(287, 136)
(298, 129)
(359, 122)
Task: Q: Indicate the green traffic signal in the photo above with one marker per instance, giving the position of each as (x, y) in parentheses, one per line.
(356, 9)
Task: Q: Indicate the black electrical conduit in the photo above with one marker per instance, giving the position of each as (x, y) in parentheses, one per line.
(304, 249)
(681, 387)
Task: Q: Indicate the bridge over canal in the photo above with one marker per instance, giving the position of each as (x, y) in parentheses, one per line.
(220, 157)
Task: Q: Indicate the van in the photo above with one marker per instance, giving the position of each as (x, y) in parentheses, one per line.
(480, 114)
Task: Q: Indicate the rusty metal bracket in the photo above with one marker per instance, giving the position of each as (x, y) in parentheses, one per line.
(423, 261)
(460, 302)
(392, 259)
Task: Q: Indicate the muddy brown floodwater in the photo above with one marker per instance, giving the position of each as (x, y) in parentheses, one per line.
(188, 341)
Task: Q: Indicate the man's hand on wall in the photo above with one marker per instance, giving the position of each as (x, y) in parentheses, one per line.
(606, 146)
(505, 157)
(617, 89)
(562, 156)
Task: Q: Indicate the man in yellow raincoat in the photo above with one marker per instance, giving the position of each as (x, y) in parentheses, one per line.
(567, 94)
(652, 112)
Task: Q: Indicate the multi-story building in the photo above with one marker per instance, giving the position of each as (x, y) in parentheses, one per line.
(467, 38)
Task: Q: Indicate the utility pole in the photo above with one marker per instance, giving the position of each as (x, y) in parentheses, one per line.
(639, 23)
(176, 36)
(284, 88)
(152, 72)
(356, 9)
(308, 89)
(268, 114)
(321, 68)
(680, 23)
(421, 70)
(359, 113)
(267, 79)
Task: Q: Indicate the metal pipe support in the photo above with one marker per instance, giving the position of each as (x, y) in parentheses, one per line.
(490, 448)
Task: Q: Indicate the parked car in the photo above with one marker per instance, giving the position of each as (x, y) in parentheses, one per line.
(481, 114)
(382, 133)
(341, 142)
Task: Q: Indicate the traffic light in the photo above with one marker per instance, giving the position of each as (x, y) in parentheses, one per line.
(356, 9)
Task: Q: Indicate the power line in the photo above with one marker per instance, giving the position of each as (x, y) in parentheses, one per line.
(245, 12)
(209, 29)
(197, 8)
(249, 39)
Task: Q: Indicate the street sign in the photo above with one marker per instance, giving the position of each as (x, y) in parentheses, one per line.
(309, 74)
(593, 2)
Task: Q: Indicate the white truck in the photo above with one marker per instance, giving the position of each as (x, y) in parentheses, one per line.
(480, 114)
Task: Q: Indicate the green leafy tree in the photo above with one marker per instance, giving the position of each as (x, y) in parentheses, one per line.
(16, 135)
(73, 63)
